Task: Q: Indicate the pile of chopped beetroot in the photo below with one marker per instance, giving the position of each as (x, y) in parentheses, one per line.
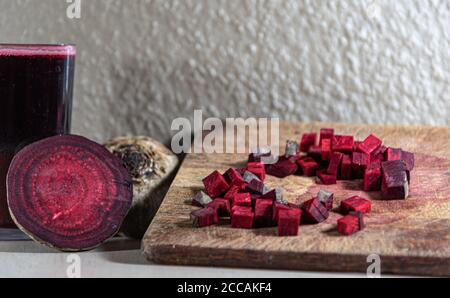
(241, 195)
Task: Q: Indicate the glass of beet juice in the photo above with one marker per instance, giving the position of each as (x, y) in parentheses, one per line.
(36, 87)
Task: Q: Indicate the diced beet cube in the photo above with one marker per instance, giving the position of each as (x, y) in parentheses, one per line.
(201, 199)
(393, 167)
(242, 218)
(242, 199)
(274, 195)
(395, 186)
(325, 178)
(326, 149)
(335, 162)
(259, 154)
(204, 217)
(309, 166)
(408, 159)
(360, 162)
(231, 193)
(233, 177)
(356, 145)
(326, 134)
(257, 187)
(308, 140)
(289, 222)
(243, 187)
(372, 179)
(292, 148)
(283, 168)
(360, 217)
(343, 144)
(346, 167)
(277, 206)
(258, 169)
(326, 198)
(392, 154)
(248, 177)
(315, 152)
(240, 208)
(350, 224)
(314, 212)
(215, 184)
(370, 144)
(375, 161)
(356, 204)
(222, 207)
(263, 213)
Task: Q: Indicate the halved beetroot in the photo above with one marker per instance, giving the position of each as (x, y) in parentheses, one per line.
(68, 192)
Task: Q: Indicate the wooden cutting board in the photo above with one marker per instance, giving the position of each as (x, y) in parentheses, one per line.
(411, 236)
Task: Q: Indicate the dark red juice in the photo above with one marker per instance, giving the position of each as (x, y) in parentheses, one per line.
(36, 86)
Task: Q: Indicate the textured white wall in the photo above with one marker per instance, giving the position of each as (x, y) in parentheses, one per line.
(142, 62)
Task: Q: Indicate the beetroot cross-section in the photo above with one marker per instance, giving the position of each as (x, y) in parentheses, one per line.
(370, 144)
(283, 168)
(204, 217)
(68, 192)
(215, 184)
(289, 222)
(314, 212)
(356, 204)
(308, 140)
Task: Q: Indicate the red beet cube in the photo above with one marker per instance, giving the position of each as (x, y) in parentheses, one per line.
(242, 199)
(325, 178)
(343, 144)
(259, 155)
(326, 149)
(346, 167)
(289, 222)
(283, 168)
(394, 167)
(314, 212)
(356, 145)
(277, 206)
(274, 195)
(215, 184)
(258, 169)
(309, 166)
(350, 224)
(231, 193)
(408, 159)
(308, 140)
(360, 162)
(392, 154)
(315, 152)
(257, 187)
(326, 134)
(335, 162)
(370, 145)
(201, 199)
(356, 204)
(263, 213)
(222, 207)
(372, 179)
(395, 186)
(326, 198)
(233, 177)
(204, 217)
(242, 218)
(241, 208)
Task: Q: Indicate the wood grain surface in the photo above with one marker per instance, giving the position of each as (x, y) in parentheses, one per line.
(411, 236)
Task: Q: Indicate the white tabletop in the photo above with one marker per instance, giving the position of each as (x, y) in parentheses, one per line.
(117, 258)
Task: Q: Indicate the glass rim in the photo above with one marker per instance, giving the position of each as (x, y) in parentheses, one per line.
(63, 49)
